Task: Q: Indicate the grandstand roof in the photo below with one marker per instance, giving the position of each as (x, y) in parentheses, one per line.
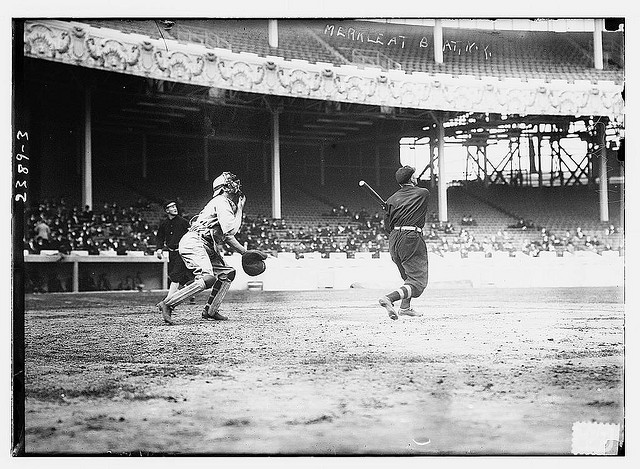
(505, 61)
(565, 55)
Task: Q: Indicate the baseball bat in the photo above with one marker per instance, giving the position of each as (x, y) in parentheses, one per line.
(373, 194)
(424, 170)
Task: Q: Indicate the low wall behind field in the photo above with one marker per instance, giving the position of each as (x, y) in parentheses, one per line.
(582, 269)
(521, 271)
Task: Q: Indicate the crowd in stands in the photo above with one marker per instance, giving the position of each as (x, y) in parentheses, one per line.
(61, 227)
(569, 241)
(58, 226)
(357, 232)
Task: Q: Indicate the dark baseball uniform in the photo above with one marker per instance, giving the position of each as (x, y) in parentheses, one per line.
(406, 209)
(170, 232)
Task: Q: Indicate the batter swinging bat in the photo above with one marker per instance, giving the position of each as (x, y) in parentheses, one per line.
(373, 194)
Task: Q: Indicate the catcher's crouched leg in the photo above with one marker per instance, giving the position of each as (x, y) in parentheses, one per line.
(218, 292)
(194, 288)
(166, 306)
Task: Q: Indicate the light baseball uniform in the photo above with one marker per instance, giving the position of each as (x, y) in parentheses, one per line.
(198, 248)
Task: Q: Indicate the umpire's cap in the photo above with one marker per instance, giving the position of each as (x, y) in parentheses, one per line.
(403, 175)
(253, 262)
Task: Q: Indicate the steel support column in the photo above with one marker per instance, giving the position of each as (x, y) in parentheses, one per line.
(598, 61)
(442, 184)
(604, 186)
(276, 202)
(87, 175)
(438, 53)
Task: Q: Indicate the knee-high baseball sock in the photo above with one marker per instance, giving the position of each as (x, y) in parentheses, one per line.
(403, 293)
(214, 291)
(179, 296)
(214, 301)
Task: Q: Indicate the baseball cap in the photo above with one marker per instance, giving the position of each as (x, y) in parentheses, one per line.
(403, 175)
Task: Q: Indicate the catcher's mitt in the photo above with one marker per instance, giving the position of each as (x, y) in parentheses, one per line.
(253, 262)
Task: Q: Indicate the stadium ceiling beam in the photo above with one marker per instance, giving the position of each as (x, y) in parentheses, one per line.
(79, 44)
(363, 115)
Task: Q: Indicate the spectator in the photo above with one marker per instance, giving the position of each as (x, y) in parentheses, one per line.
(62, 244)
(86, 215)
(43, 231)
(448, 228)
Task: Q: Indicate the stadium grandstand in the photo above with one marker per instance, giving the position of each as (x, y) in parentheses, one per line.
(126, 113)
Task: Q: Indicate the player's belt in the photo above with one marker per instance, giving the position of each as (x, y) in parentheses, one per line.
(408, 228)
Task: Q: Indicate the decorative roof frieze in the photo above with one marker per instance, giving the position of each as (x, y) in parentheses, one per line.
(105, 49)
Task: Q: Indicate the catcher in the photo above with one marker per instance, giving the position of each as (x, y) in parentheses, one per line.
(217, 223)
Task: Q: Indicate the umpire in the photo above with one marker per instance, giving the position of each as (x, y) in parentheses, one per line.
(404, 219)
(170, 231)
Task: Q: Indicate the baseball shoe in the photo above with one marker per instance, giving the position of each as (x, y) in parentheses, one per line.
(216, 315)
(386, 304)
(409, 312)
(166, 312)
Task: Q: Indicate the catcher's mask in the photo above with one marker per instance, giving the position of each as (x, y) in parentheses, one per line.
(253, 262)
(226, 182)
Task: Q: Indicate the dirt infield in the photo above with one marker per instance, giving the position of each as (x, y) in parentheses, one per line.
(484, 371)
